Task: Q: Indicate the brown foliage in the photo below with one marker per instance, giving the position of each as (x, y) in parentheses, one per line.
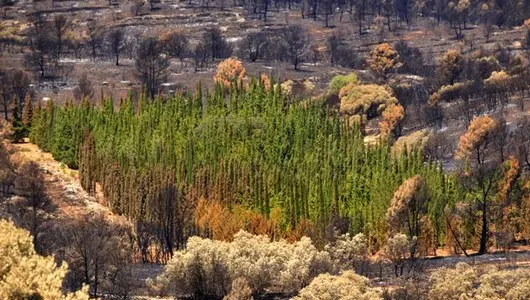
(476, 135)
(511, 170)
(229, 70)
(450, 66)
(27, 112)
(406, 204)
(220, 223)
(266, 80)
(383, 60)
(392, 117)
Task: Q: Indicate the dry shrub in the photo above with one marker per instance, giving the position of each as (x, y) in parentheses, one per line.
(206, 268)
(452, 284)
(26, 275)
(467, 282)
(498, 80)
(348, 252)
(367, 100)
(347, 286)
(415, 140)
(451, 92)
(397, 250)
(297, 88)
(450, 66)
(229, 70)
(240, 290)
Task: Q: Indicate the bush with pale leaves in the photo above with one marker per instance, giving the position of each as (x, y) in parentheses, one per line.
(467, 282)
(209, 267)
(348, 252)
(26, 275)
(347, 286)
(240, 290)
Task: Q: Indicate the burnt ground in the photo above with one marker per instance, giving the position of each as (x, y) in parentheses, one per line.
(172, 15)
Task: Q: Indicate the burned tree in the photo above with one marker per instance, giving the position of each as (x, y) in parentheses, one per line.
(60, 26)
(296, 42)
(29, 182)
(151, 65)
(253, 45)
(116, 43)
(84, 89)
(216, 44)
(42, 44)
(177, 45)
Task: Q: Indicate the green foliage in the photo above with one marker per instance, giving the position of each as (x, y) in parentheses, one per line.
(248, 147)
(19, 130)
(340, 81)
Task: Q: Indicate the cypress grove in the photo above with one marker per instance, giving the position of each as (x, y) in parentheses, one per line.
(253, 147)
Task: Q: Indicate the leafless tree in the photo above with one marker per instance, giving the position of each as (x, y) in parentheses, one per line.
(200, 56)
(216, 44)
(60, 26)
(84, 89)
(177, 45)
(296, 43)
(14, 85)
(97, 251)
(521, 140)
(151, 65)
(438, 147)
(333, 43)
(410, 58)
(29, 182)
(95, 39)
(7, 172)
(43, 54)
(253, 45)
(136, 7)
(116, 43)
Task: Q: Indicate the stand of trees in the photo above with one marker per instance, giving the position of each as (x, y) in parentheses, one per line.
(246, 147)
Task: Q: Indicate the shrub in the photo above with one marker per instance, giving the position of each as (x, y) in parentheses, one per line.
(397, 249)
(467, 282)
(348, 252)
(369, 100)
(207, 268)
(340, 81)
(240, 290)
(26, 275)
(345, 286)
